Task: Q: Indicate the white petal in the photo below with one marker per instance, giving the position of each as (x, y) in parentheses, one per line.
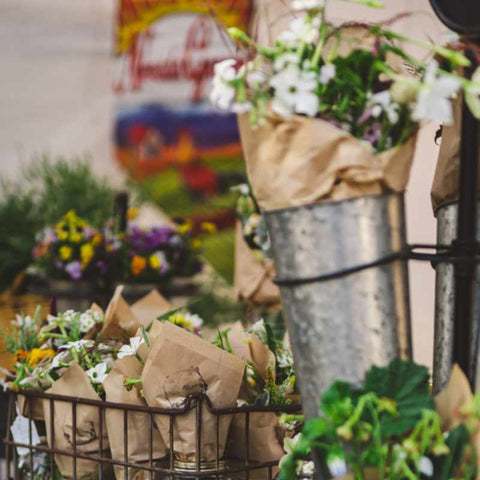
(307, 103)
(281, 108)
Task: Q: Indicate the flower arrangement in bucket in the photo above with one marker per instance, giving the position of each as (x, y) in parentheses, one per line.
(331, 112)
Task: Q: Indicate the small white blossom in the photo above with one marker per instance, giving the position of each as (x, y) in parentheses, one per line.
(62, 357)
(383, 102)
(23, 321)
(86, 322)
(223, 93)
(434, 99)
(129, 350)
(256, 79)
(79, 345)
(284, 60)
(301, 29)
(98, 373)
(308, 4)
(327, 73)
(285, 359)
(241, 107)
(308, 469)
(294, 89)
(192, 320)
(337, 466)
(425, 466)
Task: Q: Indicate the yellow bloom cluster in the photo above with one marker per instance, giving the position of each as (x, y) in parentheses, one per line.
(70, 227)
(36, 355)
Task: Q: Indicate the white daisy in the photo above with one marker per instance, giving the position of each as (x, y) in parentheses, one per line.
(129, 350)
(98, 373)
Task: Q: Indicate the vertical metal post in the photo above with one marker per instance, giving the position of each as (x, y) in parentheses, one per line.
(466, 239)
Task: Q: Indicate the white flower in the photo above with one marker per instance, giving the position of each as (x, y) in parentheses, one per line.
(308, 468)
(128, 350)
(79, 345)
(425, 466)
(23, 321)
(308, 4)
(301, 29)
(255, 78)
(98, 373)
(242, 188)
(283, 60)
(337, 466)
(86, 322)
(327, 73)
(259, 330)
(223, 93)
(62, 357)
(241, 107)
(192, 320)
(383, 102)
(434, 99)
(285, 359)
(294, 89)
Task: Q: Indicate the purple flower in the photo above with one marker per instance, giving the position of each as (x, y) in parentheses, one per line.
(102, 267)
(147, 240)
(74, 269)
(373, 134)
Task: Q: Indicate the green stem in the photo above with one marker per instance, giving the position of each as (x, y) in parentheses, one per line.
(139, 358)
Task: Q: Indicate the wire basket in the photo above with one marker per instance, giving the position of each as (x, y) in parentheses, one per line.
(169, 467)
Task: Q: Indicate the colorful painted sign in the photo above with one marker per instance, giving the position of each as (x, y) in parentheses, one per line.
(181, 151)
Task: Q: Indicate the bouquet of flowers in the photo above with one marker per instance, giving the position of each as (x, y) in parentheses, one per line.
(331, 111)
(71, 250)
(391, 428)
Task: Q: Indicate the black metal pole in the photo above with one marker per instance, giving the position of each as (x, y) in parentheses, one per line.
(466, 242)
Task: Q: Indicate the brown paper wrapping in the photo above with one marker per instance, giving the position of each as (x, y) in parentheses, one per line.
(445, 181)
(304, 160)
(151, 306)
(138, 423)
(264, 445)
(253, 279)
(120, 322)
(33, 408)
(75, 383)
(181, 364)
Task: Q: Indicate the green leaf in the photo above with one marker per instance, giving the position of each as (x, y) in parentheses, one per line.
(337, 402)
(407, 384)
(448, 465)
(368, 3)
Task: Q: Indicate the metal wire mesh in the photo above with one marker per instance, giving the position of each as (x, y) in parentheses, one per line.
(153, 468)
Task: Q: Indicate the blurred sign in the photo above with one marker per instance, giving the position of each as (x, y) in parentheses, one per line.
(175, 146)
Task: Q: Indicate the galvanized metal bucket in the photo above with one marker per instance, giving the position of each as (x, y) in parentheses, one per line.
(340, 327)
(447, 215)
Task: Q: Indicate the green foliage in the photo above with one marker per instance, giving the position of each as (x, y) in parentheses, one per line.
(406, 384)
(69, 184)
(47, 190)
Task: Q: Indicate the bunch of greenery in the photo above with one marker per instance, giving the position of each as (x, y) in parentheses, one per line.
(388, 429)
(46, 190)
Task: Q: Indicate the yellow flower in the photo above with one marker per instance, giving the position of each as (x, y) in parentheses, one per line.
(185, 227)
(196, 243)
(86, 253)
(178, 319)
(138, 265)
(37, 355)
(132, 213)
(209, 227)
(65, 252)
(75, 237)
(155, 262)
(97, 239)
(62, 234)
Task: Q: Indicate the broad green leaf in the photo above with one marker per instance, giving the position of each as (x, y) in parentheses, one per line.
(407, 384)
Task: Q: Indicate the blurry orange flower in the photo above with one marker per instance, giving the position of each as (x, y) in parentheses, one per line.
(132, 213)
(97, 239)
(21, 355)
(138, 265)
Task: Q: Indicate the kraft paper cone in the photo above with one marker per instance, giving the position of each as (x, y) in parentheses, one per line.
(264, 445)
(253, 279)
(75, 383)
(151, 306)
(33, 408)
(301, 160)
(181, 364)
(120, 322)
(138, 423)
(447, 172)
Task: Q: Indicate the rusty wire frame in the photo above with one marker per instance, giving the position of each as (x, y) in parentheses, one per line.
(158, 469)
